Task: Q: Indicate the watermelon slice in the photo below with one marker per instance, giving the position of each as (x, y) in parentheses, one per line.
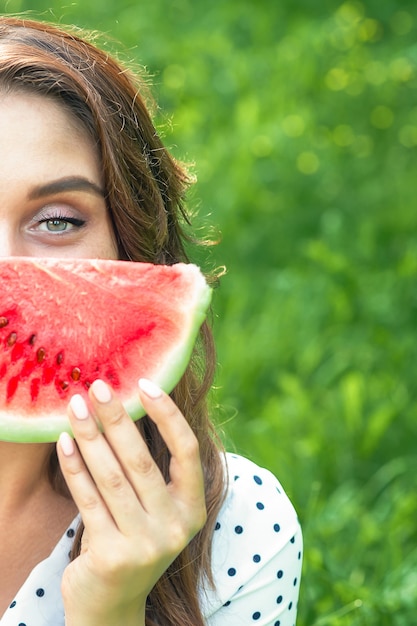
(66, 322)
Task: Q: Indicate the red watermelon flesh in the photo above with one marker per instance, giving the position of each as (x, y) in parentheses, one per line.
(66, 322)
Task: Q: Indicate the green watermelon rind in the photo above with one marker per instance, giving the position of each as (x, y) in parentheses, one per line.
(48, 429)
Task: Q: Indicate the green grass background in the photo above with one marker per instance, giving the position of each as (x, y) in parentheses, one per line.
(301, 118)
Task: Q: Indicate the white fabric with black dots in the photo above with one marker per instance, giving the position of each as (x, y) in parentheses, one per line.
(39, 600)
(257, 552)
(257, 556)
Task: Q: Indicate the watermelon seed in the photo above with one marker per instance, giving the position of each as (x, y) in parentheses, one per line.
(32, 340)
(3, 322)
(59, 358)
(11, 339)
(76, 373)
(64, 384)
(87, 384)
(40, 355)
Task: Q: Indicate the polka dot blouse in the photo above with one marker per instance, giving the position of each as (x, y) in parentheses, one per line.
(257, 555)
(257, 552)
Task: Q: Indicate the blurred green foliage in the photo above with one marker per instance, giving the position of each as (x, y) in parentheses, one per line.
(302, 120)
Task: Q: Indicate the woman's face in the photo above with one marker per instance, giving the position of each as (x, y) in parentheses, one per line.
(51, 188)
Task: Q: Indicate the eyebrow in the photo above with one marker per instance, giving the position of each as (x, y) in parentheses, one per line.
(70, 183)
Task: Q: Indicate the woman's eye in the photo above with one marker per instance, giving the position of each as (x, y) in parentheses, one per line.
(60, 224)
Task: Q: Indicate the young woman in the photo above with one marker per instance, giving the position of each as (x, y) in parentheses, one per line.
(148, 523)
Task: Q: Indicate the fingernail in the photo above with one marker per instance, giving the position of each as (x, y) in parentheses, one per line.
(101, 391)
(79, 407)
(148, 387)
(66, 444)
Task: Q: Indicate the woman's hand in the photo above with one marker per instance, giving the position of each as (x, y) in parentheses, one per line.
(135, 523)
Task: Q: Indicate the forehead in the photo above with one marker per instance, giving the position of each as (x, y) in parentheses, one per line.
(39, 137)
(18, 101)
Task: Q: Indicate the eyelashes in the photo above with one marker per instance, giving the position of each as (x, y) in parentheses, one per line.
(59, 223)
(63, 218)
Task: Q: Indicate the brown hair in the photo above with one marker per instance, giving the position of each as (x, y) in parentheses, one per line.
(145, 188)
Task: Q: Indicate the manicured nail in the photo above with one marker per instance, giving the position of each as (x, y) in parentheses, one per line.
(101, 391)
(151, 390)
(79, 407)
(66, 444)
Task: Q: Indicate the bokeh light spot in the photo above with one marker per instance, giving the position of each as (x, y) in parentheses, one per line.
(308, 163)
(293, 125)
(382, 117)
(337, 79)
